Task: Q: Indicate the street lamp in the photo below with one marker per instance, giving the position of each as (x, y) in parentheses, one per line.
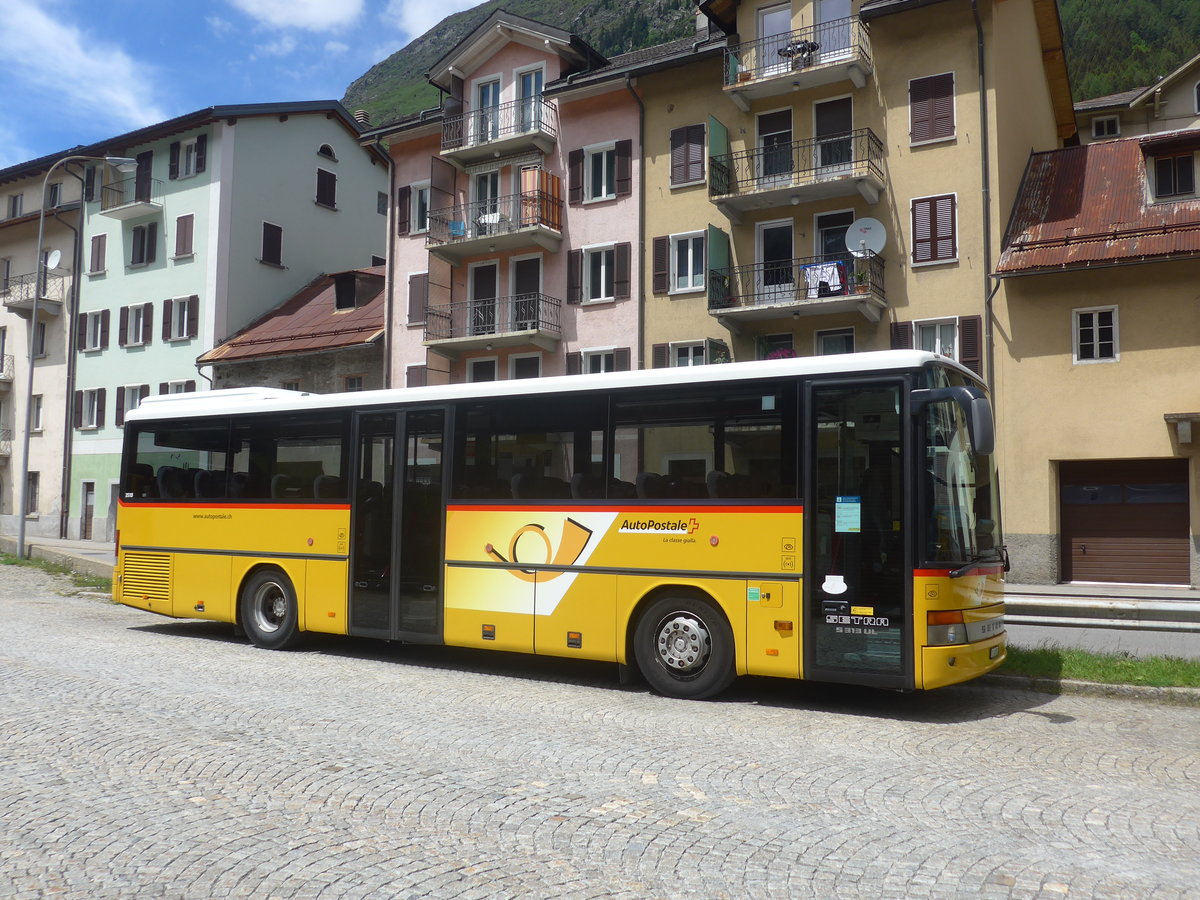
(124, 164)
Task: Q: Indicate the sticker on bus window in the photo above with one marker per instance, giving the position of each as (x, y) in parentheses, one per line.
(848, 515)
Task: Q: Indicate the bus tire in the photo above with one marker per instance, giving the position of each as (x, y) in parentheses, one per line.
(684, 647)
(268, 610)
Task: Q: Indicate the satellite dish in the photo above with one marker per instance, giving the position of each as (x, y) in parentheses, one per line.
(53, 259)
(865, 236)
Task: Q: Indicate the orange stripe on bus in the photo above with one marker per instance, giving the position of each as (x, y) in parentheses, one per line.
(632, 509)
(231, 506)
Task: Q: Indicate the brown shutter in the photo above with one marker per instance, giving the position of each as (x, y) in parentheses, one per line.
(933, 229)
(941, 106)
(662, 265)
(172, 166)
(193, 316)
(143, 392)
(902, 336)
(621, 357)
(272, 244)
(970, 343)
(189, 386)
(574, 363)
(575, 177)
(90, 188)
(79, 409)
(147, 322)
(678, 155)
(166, 325)
(404, 209)
(945, 239)
(624, 168)
(621, 279)
(81, 330)
(660, 356)
(104, 319)
(123, 333)
(575, 276)
(151, 242)
(100, 408)
(695, 151)
(119, 418)
(201, 153)
(183, 234)
(326, 188)
(416, 376)
(164, 387)
(98, 247)
(418, 297)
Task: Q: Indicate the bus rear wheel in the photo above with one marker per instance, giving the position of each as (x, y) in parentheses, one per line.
(684, 648)
(268, 610)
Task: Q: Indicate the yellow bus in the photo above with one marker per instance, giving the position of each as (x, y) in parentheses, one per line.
(830, 518)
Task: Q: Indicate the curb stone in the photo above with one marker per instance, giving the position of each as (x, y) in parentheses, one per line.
(1172, 696)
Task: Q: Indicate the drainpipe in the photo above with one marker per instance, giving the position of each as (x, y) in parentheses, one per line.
(641, 330)
(985, 174)
(389, 274)
(64, 500)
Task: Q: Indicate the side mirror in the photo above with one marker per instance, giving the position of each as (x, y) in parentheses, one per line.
(976, 408)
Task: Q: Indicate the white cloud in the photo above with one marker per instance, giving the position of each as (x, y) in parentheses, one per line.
(220, 27)
(415, 17)
(312, 15)
(65, 70)
(336, 48)
(281, 46)
(12, 148)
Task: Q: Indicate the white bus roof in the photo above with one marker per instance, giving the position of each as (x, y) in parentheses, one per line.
(264, 399)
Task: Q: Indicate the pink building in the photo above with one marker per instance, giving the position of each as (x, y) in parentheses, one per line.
(516, 214)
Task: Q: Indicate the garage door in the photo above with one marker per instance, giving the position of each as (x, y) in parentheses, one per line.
(1125, 521)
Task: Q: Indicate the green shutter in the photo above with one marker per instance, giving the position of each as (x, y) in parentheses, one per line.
(716, 278)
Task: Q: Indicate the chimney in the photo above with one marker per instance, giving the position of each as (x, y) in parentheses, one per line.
(362, 117)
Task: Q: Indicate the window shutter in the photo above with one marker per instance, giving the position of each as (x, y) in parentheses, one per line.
(902, 336)
(100, 408)
(416, 376)
(189, 386)
(695, 153)
(104, 318)
(621, 357)
(418, 298)
(326, 188)
(575, 276)
(193, 316)
(151, 242)
(147, 322)
(120, 415)
(678, 155)
(201, 153)
(143, 392)
(89, 185)
(81, 330)
(183, 234)
(123, 333)
(624, 154)
(172, 166)
(660, 355)
(79, 409)
(404, 209)
(922, 243)
(272, 244)
(661, 254)
(98, 247)
(166, 325)
(574, 363)
(621, 285)
(931, 107)
(164, 388)
(970, 343)
(575, 177)
(945, 240)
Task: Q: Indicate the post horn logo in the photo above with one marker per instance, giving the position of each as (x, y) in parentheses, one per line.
(570, 545)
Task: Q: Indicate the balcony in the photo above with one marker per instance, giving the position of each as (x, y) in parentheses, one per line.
(500, 130)
(837, 165)
(811, 286)
(130, 198)
(823, 54)
(6, 372)
(17, 295)
(6, 437)
(519, 221)
(521, 320)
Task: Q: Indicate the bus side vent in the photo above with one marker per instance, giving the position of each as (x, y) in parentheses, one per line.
(147, 575)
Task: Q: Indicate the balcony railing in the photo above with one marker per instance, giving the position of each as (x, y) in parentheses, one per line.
(818, 283)
(784, 168)
(131, 197)
(839, 41)
(531, 116)
(493, 316)
(17, 293)
(6, 370)
(494, 217)
(6, 437)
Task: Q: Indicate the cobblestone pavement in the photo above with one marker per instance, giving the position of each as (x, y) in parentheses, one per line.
(148, 758)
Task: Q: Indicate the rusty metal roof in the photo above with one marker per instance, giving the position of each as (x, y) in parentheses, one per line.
(310, 322)
(1090, 206)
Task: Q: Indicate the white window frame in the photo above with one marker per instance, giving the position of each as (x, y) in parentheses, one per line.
(1097, 120)
(16, 205)
(36, 414)
(188, 155)
(590, 152)
(1076, 324)
(694, 285)
(39, 341)
(819, 335)
(93, 330)
(133, 397)
(135, 325)
(676, 347)
(918, 324)
(418, 194)
(5, 273)
(471, 363)
(91, 409)
(585, 281)
(54, 194)
(604, 354)
(177, 387)
(179, 317)
(512, 364)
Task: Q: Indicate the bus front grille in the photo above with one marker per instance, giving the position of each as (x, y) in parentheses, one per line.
(147, 576)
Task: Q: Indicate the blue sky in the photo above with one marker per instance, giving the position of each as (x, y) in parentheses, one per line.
(77, 71)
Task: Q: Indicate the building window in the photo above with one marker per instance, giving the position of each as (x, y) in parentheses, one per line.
(145, 244)
(89, 408)
(1096, 337)
(326, 151)
(931, 108)
(352, 383)
(39, 340)
(99, 249)
(420, 207)
(291, 385)
(940, 336)
(187, 159)
(525, 366)
(128, 398)
(689, 353)
(184, 226)
(596, 362)
(272, 244)
(381, 204)
(16, 203)
(5, 273)
(687, 155)
(32, 480)
(1106, 127)
(177, 387)
(775, 346)
(600, 166)
(934, 235)
(54, 195)
(835, 340)
(481, 370)
(326, 189)
(180, 318)
(36, 413)
(687, 262)
(1174, 176)
(136, 322)
(598, 274)
(93, 331)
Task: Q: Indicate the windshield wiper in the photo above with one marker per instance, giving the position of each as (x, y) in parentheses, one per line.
(990, 558)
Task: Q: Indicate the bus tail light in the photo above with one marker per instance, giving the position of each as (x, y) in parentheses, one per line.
(946, 626)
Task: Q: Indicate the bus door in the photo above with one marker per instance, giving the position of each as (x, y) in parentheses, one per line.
(856, 584)
(396, 572)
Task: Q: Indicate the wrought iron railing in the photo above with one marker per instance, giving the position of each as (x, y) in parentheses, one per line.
(6, 437)
(496, 315)
(780, 54)
(495, 216)
(505, 120)
(784, 166)
(20, 289)
(6, 367)
(810, 279)
(131, 190)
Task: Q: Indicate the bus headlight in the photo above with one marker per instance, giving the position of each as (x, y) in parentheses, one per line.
(946, 626)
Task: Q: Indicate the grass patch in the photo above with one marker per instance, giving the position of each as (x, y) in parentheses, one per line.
(1104, 668)
(80, 580)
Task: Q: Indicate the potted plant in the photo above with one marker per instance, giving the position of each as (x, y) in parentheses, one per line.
(860, 282)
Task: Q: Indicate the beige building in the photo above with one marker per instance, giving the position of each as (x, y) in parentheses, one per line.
(1170, 104)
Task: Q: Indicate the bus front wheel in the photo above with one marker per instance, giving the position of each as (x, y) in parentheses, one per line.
(268, 610)
(684, 648)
